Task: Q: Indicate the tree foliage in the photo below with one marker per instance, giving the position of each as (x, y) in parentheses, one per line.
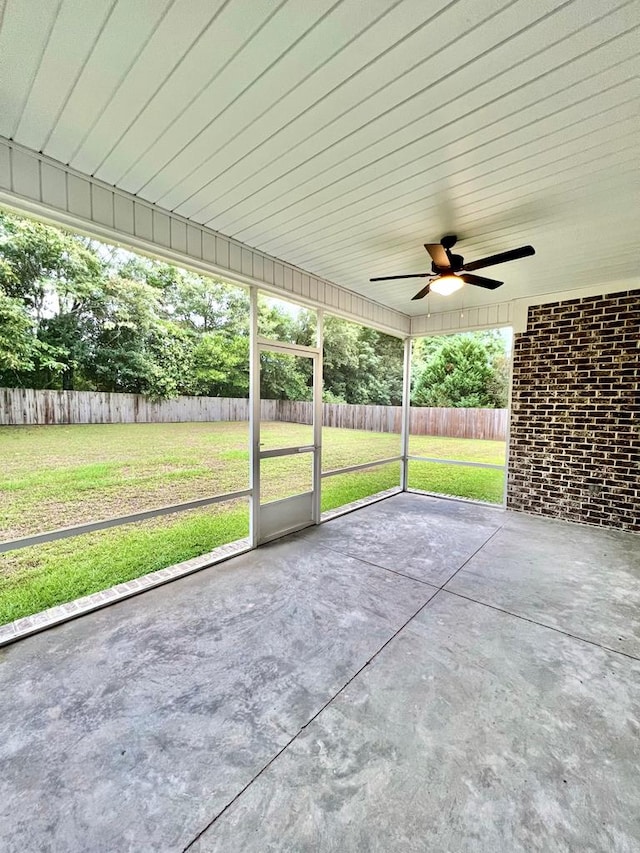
(17, 345)
(76, 314)
(468, 370)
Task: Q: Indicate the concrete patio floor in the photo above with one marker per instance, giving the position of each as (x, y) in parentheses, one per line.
(420, 675)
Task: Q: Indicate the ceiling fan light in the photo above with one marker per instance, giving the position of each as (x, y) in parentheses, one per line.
(446, 285)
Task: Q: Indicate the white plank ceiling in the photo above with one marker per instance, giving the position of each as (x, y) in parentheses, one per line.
(340, 136)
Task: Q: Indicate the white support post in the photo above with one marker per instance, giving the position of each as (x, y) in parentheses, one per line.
(254, 419)
(317, 419)
(406, 414)
(508, 435)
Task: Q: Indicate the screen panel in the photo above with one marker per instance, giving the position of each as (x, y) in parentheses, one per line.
(362, 414)
(42, 576)
(341, 489)
(480, 484)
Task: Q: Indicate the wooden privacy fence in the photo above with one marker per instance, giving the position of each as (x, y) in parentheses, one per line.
(460, 423)
(454, 423)
(29, 407)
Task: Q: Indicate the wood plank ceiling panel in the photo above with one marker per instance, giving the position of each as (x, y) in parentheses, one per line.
(392, 203)
(474, 193)
(314, 102)
(489, 110)
(552, 113)
(324, 56)
(370, 125)
(19, 65)
(130, 31)
(250, 36)
(77, 26)
(341, 135)
(172, 62)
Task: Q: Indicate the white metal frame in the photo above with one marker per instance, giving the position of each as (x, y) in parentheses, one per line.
(266, 344)
(257, 344)
(462, 462)
(361, 467)
(254, 418)
(34, 185)
(116, 521)
(406, 413)
(508, 436)
(318, 388)
(277, 518)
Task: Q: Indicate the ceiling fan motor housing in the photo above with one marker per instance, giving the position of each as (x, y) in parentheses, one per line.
(455, 264)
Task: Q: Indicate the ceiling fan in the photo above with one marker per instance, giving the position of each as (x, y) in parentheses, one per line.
(449, 272)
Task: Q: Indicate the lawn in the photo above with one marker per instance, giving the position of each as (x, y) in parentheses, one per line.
(63, 475)
(479, 484)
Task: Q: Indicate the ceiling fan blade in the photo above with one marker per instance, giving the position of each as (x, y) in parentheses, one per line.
(422, 293)
(438, 254)
(478, 280)
(394, 277)
(500, 258)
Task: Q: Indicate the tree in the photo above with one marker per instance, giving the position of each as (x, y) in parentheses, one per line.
(498, 386)
(16, 337)
(464, 370)
(220, 366)
(213, 316)
(75, 313)
(361, 365)
(385, 376)
(55, 276)
(39, 260)
(133, 348)
(285, 377)
(205, 305)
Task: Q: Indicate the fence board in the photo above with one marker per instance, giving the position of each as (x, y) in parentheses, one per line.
(26, 406)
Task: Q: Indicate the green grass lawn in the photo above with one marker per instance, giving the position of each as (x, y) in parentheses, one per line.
(59, 476)
(42, 576)
(342, 489)
(479, 484)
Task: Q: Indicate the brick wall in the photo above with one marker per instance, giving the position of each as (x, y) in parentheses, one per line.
(574, 446)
